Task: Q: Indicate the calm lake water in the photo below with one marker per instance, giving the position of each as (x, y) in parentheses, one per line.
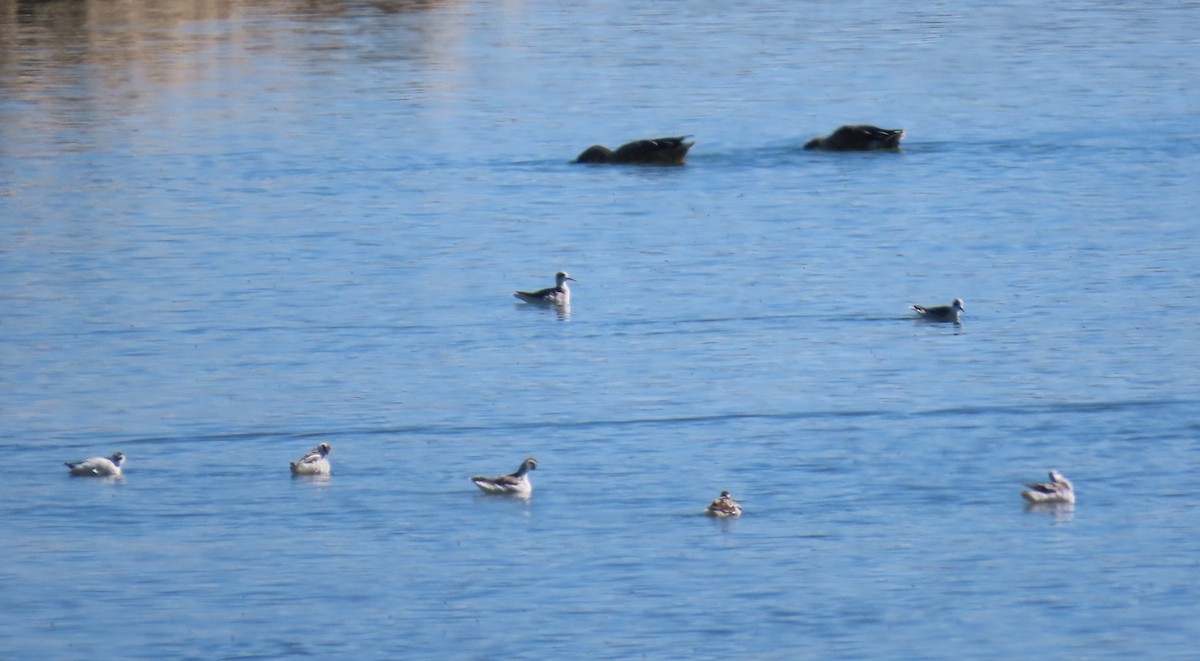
(232, 231)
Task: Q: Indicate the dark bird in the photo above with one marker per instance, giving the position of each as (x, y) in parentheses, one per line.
(861, 137)
(659, 151)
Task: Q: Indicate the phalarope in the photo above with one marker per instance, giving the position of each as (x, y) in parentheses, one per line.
(516, 484)
(559, 294)
(861, 137)
(313, 463)
(97, 466)
(1058, 490)
(941, 312)
(659, 151)
(724, 506)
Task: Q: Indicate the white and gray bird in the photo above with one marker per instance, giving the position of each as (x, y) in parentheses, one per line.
(559, 294)
(313, 463)
(98, 466)
(1058, 490)
(948, 313)
(516, 484)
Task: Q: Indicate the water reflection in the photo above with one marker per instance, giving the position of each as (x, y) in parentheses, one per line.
(319, 8)
(103, 479)
(1060, 511)
(85, 67)
(315, 480)
(725, 523)
(563, 312)
(41, 41)
(523, 499)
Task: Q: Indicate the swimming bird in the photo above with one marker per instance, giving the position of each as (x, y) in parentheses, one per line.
(313, 463)
(517, 484)
(724, 506)
(1058, 490)
(659, 151)
(559, 294)
(861, 137)
(940, 312)
(97, 466)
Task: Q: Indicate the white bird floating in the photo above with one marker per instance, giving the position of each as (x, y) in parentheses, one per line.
(313, 463)
(559, 294)
(97, 466)
(516, 484)
(724, 506)
(1058, 490)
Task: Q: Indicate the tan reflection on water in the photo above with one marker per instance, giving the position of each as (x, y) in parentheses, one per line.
(127, 40)
(76, 63)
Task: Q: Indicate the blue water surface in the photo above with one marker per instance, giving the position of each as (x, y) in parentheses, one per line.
(231, 232)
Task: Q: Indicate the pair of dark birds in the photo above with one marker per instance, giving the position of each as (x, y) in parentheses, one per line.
(673, 151)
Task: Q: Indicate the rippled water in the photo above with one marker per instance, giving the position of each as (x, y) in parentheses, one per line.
(233, 231)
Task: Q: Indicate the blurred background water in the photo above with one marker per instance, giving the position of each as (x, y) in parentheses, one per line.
(232, 230)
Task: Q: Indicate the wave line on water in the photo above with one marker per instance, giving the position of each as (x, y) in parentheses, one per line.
(1055, 407)
(435, 430)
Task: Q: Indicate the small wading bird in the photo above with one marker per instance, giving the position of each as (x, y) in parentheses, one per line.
(97, 466)
(724, 506)
(659, 151)
(559, 294)
(516, 484)
(862, 137)
(1058, 490)
(313, 463)
(941, 312)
